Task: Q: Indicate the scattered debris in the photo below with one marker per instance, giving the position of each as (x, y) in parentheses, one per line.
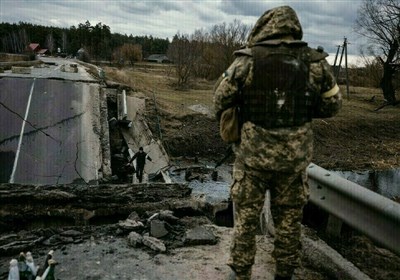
(157, 228)
(151, 231)
(134, 239)
(154, 243)
(164, 228)
(129, 224)
(199, 236)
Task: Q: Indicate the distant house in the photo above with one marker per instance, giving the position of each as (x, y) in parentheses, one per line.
(36, 49)
(159, 58)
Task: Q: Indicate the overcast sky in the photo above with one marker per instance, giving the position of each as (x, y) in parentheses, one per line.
(324, 22)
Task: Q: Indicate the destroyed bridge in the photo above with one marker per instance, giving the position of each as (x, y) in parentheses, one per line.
(66, 136)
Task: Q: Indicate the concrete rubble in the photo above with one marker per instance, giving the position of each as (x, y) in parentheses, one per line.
(199, 236)
(183, 245)
(162, 224)
(158, 232)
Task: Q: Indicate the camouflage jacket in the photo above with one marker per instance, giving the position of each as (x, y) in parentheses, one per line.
(288, 148)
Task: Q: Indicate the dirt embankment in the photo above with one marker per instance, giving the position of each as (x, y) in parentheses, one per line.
(359, 137)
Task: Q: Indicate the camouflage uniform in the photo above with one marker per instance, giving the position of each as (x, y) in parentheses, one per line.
(272, 158)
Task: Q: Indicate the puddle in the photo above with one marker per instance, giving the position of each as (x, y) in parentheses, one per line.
(383, 182)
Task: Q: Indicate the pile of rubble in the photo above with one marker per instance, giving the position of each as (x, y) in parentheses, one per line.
(155, 232)
(164, 225)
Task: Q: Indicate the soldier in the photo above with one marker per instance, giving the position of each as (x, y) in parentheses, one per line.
(279, 84)
(140, 162)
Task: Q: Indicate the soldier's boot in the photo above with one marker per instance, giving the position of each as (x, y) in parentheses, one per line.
(242, 275)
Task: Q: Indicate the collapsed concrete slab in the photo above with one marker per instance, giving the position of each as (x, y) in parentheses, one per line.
(139, 135)
(24, 206)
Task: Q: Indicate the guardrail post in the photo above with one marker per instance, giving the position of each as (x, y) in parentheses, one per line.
(334, 226)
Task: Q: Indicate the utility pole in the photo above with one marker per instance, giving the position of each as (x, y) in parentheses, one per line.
(344, 51)
(340, 63)
(336, 56)
(345, 65)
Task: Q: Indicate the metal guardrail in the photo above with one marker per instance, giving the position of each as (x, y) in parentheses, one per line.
(372, 214)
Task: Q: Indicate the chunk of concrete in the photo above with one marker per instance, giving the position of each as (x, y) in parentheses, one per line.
(135, 239)
(199, 236)
(168, 216)
(134, 216)
(131, 225)
(157, 228)
(154, 244)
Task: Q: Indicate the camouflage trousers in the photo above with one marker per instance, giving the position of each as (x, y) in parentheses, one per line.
(289, 193)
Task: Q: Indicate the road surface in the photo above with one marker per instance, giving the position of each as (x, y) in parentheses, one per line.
(49, 126)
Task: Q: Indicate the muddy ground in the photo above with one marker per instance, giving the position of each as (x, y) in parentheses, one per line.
(358, 138)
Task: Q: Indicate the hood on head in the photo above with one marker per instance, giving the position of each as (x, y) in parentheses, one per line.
(274, 24)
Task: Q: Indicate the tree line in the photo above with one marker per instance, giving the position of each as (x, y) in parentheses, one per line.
(97, 40)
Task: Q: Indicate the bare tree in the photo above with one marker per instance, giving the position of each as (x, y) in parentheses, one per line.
(182, 51)
(15, 42)
(200, 40)
(379, 22)
(225, 39)
(23, 39)
(373, 68)
(64, 41)
(131, 52)
(50, 43)
(206, 54)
